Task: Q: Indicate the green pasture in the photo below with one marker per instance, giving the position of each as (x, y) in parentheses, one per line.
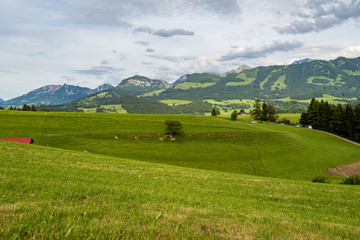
(279, 84)
(153, 93)
(188, 85)
(331, 82)
(350, 72)
(242, 76)
(176, 102)
(212, 143)
(52, 193)
(325, 97)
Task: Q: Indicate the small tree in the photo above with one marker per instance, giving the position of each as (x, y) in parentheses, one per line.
(33, 108)
(256, 112)
(213, 112)
(242, 111)
(234, 115)
(173, 128)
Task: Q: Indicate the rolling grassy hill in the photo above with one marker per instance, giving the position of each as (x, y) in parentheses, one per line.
(50, 193)
(130, 184)
(209, 142)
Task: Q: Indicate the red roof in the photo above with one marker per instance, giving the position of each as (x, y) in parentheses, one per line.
(19, 140)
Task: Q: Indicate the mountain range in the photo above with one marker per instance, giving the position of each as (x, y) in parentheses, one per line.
(53, 94)
(297, 82)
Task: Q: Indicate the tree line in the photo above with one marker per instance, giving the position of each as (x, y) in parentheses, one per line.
(25, 107)
(338, 119)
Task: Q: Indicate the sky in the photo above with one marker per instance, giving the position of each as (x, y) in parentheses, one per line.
(91, 42)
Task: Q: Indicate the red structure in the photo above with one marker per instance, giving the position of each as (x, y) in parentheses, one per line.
(19, 140)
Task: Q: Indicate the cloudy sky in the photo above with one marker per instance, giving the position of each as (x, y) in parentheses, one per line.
(91, 42)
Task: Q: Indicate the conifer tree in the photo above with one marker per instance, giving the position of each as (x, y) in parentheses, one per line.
(213, 112)
(256, 112)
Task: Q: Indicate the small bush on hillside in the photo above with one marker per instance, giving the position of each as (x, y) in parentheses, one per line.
(234, 115)
(320, 179)
(352, 180)
(173, 128)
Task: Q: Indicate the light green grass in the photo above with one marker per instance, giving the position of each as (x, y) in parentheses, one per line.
(153, 93)
(325, 97)
(267, 79)
(279, 84)
(212, 143)
(188, 85)
(247, 80)
(350, 72)
(49, 193)
(117, 108)
(293, 117)
(175, 102)
(332, 82)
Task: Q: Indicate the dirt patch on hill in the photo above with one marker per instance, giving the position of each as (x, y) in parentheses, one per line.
(345, 170)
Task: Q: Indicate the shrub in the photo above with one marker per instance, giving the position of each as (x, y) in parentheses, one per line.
(320, 179)
(352, 180)
(234, 115)
(173, 128)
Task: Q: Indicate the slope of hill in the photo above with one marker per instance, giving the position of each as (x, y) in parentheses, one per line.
(56, 193)
(209, 142)
(53, 94)
(339, 78)
(2, 100)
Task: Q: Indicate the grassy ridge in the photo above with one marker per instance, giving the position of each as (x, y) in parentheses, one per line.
(209, 143)
(54, 193)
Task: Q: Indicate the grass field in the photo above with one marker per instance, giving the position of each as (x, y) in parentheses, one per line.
(279, 83)
(126, 184)
(188, 85)
(211, 143)
(172, 102)
(325, 97)
(50, 193)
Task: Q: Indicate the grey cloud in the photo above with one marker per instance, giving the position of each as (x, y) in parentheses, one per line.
(6, 71)
(164, 32)
(323, 15)
(99, 70)
(166, 58)
(147, 63)
(170, 33)
(150, 50)
(250, 53)
(104, 62)
(68, 79)
(144, 43)
(119, 12)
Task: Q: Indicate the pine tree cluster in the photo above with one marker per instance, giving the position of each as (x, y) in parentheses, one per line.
(264, 111)
(338, 119)
(25, 107)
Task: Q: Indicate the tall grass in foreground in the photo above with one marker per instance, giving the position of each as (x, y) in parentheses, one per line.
(48, 193)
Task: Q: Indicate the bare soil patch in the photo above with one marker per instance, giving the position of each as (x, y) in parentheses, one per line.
(345, 170)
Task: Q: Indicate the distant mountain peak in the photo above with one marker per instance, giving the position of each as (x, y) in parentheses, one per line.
(303, 61)
(237, 70)
(144, 82)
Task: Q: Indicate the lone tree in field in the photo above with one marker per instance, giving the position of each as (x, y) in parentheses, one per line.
(213, 112)
(234, 115)
(173, 128)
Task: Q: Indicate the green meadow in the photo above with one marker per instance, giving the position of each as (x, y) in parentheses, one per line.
(91, 176)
